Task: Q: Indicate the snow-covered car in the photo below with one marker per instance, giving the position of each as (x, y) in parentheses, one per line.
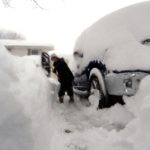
(113, 55)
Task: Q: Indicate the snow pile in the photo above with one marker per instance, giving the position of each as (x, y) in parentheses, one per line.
(116, 39)
(24, 104)
(119, 127)
(32, 119)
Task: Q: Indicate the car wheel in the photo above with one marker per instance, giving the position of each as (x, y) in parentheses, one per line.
(97, 90)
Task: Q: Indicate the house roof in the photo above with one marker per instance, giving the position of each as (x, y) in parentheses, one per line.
(23, 44)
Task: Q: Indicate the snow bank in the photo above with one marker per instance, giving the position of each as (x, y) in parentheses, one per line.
(30, 118)
(119, 127)
(116, 39)
(24, 104)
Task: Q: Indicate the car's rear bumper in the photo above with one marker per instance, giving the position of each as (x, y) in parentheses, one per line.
(123, 83)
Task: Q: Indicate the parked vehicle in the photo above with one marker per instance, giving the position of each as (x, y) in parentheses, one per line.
(113, 55)
(45, 62)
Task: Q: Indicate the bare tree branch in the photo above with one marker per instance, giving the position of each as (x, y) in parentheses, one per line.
(37, 4)
(6, 3)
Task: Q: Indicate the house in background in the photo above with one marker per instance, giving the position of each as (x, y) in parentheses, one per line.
(23, 47)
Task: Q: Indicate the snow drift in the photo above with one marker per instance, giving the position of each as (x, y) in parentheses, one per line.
(24, 104)
(31, 118)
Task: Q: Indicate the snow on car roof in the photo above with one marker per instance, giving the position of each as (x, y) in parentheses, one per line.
(117, 38)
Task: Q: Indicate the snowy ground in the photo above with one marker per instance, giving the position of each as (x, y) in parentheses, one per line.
(31, 118)
(119, 127)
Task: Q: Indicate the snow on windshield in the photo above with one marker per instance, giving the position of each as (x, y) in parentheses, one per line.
(116, 39)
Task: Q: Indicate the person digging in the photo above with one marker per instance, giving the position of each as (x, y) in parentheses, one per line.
(65, 77)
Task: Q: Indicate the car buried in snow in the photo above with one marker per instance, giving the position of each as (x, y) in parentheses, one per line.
(113, 55)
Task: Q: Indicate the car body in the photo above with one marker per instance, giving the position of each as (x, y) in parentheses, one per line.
(114, 52)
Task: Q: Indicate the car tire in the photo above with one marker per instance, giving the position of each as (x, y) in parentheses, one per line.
(97, 84)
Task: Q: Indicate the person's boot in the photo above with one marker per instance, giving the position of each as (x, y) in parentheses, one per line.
(61, 99)
(71, 99)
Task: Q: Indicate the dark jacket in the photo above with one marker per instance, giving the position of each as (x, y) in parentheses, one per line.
(65, 75)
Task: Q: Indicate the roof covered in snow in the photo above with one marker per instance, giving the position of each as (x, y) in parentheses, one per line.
(23, 44)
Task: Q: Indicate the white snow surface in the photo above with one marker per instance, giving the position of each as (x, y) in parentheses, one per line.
(24, 104)
(31, 117)
(116, 39)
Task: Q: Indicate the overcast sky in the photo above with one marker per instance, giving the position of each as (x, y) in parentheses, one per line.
(60, 21)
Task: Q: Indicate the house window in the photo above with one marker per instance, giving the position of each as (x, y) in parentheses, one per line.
(33, 52)
(9, 49)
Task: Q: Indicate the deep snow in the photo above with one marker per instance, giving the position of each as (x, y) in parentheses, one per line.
(24, 99)
(31, 117)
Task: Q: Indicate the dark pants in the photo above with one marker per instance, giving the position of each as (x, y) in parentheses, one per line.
(65, 87)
